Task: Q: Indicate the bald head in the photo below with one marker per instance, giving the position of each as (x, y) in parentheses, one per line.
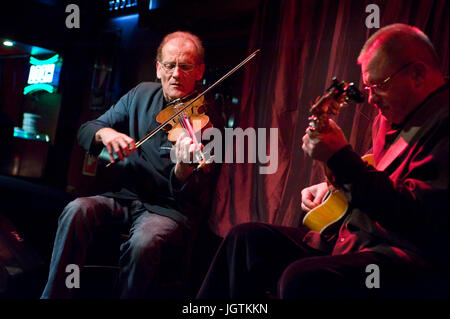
(401, 44)
(179, 64)
(400, 68)
(200, 56)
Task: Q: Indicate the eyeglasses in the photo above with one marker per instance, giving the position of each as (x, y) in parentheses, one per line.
(169, 67)
(382, 86)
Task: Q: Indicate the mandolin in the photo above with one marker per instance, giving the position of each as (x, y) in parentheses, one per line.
(334, 205)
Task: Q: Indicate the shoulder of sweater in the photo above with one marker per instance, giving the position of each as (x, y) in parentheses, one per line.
(147, 87)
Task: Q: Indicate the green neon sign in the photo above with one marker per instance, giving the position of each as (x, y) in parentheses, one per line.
(51, 60)
(38, 87)
(41, 75)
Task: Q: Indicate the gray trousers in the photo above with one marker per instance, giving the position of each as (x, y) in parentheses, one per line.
(150, 235)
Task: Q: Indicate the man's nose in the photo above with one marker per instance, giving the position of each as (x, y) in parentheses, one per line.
(176, 72)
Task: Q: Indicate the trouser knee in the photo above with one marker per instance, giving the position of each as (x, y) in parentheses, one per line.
(147, 250)
(79, 212)
(246, 231)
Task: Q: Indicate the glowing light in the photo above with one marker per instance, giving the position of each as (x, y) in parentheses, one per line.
(41, 73)
(18, 132)
(127, 18)
(51, 60)
(153, 4)
(38, 87)
(8, 43)
(115, 5)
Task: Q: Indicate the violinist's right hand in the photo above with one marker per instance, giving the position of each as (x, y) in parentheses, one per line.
(312, 196)
(115, 142)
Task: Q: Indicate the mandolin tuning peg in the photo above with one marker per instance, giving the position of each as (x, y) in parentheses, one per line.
(354, 93)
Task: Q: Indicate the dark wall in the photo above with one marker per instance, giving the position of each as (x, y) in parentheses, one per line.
(131, 51)
(128, 46)
(43, 24)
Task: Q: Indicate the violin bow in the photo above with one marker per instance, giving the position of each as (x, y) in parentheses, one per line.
(182, 109)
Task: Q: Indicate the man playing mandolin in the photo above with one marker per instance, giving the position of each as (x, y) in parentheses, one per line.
(160, 201)
(393, 239)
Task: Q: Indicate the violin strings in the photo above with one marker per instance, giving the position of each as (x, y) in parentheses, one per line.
(162, 125)
(184, 117)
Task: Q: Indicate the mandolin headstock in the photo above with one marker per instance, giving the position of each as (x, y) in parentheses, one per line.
(336, 96)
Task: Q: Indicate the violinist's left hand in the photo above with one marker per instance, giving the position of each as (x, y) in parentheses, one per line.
(184, 152)
(323, 146)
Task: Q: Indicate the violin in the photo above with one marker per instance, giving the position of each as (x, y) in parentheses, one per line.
(195, 113)
(191, 121)
(179, 114)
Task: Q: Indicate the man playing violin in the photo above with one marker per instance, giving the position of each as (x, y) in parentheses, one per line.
(160, 201)
(393, 239)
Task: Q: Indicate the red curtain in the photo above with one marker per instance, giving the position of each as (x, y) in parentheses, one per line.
(304, 43)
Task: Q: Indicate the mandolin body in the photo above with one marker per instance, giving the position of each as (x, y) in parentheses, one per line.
(333, 207)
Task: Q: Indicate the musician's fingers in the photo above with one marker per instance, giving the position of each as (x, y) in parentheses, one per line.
(333, 124)
(187, 140)
(307, 202)
(336, 128)
(178, 150)
(305, 208)
(123, 146)
(205, 166)
(191, 148)
(311, 131)
(183, 150)
(181, 136)
(305, 138)
(181, 142)
(178, 145)
(307, 197)
(317, 200)
(110, 152)
(305, 144)
(117, 150)
(131, 145)
(321, 192)
(188, 144)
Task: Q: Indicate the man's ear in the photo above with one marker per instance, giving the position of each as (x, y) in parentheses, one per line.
(419, 72)
(158, 70)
